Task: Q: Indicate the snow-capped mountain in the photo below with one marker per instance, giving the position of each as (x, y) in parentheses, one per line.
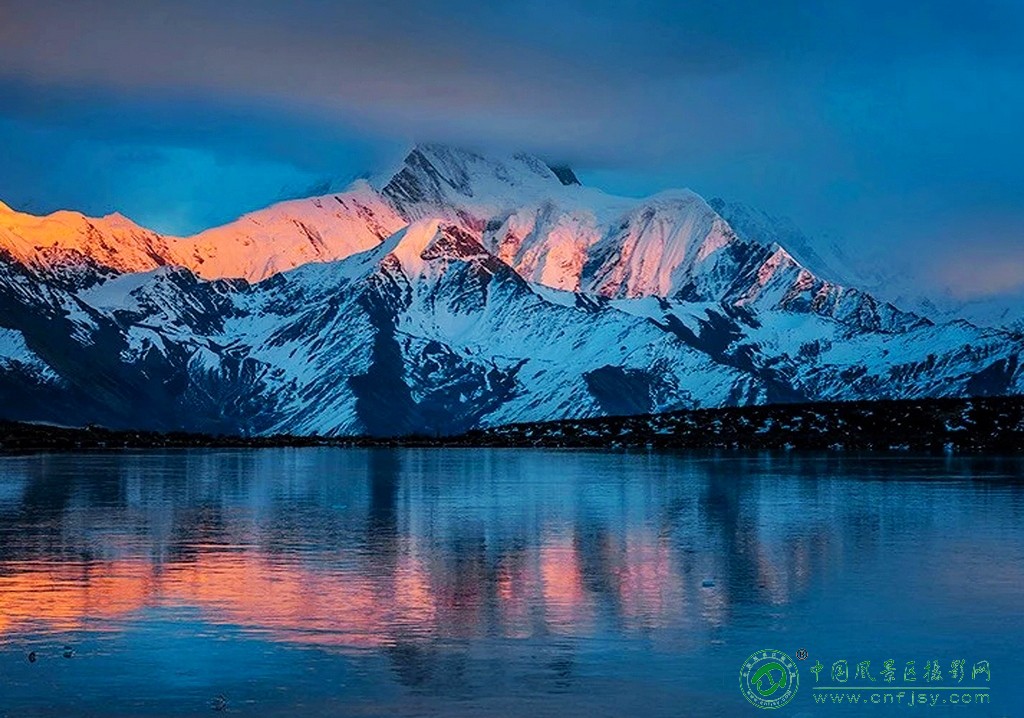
(826, 259)
(457, 290)
(880, 279)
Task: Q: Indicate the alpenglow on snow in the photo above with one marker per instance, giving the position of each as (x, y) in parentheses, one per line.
(457, 291)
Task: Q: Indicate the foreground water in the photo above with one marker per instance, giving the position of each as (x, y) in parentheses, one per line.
(497, 583)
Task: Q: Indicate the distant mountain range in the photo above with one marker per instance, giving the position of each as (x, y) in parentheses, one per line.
(457, 291)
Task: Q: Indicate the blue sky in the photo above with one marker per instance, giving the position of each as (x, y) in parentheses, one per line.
(892, 126)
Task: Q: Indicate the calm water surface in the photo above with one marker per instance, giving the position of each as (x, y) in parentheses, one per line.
(494, 583)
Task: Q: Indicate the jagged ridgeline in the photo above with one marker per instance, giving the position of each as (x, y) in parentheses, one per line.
(457, 292)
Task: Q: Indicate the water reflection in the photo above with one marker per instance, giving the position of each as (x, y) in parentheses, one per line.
(479, 582)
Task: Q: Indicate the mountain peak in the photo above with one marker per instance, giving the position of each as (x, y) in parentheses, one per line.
(565, 175)
(432, 239)
(436, 176)
(824, 259)
(116, 219)
(453, 242)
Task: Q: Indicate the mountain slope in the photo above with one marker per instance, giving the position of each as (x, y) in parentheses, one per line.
(430, 333)
(569, 237)
(458, 291)
(75, 250)
(289, 235)
(550, 229)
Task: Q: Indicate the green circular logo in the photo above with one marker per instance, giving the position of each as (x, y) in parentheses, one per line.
(769, 679)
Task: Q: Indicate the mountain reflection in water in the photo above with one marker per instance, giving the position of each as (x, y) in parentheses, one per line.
(486, 582)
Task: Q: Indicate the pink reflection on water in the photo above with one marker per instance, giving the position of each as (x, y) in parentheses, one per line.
(564, 584)
(650, 584)
(567, 608)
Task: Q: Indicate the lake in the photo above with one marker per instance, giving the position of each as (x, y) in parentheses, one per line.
(442, 582)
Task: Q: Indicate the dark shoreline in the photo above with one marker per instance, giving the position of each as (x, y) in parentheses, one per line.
(979, 425)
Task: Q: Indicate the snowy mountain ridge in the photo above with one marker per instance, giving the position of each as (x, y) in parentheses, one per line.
(459, 291)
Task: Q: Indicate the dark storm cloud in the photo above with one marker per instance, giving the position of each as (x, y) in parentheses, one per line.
(893, 124)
